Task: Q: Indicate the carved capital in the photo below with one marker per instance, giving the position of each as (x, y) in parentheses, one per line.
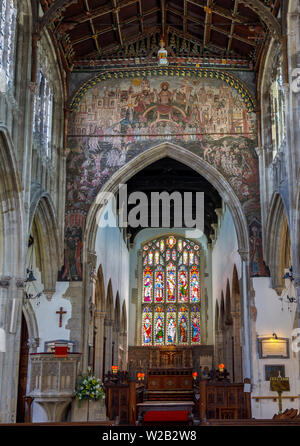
(244, 253)
(20, 282)
(49, 294)
(4, 281)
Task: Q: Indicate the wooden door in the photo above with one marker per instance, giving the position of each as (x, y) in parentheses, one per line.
(23, 371)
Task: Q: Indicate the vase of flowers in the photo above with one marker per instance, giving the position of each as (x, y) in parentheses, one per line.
(90, 395)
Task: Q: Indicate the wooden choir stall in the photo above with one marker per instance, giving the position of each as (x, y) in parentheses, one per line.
(174, 386)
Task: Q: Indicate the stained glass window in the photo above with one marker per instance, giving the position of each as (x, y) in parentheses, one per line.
(159, 325)
(43, 109)
(159, 284)
(147, 326)
(194, 284)
(182, 284)
(8, 14)
(147, 284)
(171, 292)
(171, 325)
(171, 282)
(195, 325)
(183, 325)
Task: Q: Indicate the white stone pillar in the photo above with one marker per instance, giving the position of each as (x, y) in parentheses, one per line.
(11, 299)
(108, 345)
(246, 317)
(99, 340)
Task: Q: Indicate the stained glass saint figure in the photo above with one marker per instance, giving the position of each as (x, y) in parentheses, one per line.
(147, 285)
(159, 330)
(147, 327)
(182, 285)
(171, 330)
(159, 285)
(183, 328)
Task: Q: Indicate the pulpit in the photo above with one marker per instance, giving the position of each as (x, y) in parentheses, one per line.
(52, 382)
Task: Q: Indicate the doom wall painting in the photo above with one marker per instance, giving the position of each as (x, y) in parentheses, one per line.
(118, 119)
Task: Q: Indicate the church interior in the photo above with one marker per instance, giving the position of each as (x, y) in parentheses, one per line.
(150, 100)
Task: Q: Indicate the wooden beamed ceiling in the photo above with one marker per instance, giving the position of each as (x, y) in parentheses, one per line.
(89, 32)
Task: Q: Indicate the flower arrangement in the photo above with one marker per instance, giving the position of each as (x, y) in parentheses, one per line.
(89, 388)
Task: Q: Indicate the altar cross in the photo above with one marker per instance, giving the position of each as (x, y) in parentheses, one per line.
(61, 312)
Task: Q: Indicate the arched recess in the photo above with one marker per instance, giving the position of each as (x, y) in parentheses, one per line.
(44, 230)
(98, 325)
(237, 325)
(277, 242)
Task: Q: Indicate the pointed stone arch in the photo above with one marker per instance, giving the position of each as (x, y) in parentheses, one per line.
(143, 160)
(44, 229)
(12, 237)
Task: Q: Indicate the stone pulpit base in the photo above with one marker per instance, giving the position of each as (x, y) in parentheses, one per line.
(52, 382)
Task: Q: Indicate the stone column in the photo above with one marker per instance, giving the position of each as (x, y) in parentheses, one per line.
(99, 340)
(246, 317)
(11, 299)
(108, 323)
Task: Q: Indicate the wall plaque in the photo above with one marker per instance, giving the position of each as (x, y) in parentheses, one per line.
(273, 348)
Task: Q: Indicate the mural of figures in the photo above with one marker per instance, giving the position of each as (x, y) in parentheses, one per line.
(119, 119)
(257, 265)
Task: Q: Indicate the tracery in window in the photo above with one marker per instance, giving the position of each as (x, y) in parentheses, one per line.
(171, 292)
(8, 15)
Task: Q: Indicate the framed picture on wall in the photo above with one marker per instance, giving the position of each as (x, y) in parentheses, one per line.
(273, 370)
